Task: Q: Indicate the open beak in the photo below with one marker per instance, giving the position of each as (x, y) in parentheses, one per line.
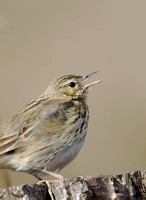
(92, 83)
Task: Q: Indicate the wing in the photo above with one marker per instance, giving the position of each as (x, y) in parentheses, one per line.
(38, 117)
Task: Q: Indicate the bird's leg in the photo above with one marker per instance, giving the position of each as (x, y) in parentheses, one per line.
(39, 178)
(60, 177)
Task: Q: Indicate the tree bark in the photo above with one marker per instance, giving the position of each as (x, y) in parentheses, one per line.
(130, 186)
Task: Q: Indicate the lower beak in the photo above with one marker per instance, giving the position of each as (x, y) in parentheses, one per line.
(92, 83)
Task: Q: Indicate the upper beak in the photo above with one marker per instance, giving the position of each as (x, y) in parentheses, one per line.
(92, 83)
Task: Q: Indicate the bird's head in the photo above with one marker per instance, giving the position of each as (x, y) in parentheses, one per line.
(71, 87)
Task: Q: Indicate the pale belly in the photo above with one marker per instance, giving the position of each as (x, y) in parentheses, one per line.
(70, 150)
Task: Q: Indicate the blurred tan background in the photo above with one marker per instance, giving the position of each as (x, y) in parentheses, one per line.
(41, 40)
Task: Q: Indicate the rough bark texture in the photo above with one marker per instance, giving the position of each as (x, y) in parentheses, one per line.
(130, 186)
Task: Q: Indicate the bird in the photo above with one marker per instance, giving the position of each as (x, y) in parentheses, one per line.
(47, 133)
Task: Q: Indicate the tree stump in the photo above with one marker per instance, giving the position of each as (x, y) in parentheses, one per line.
(130, 186)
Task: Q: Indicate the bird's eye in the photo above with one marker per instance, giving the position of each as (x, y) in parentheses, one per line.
(72, 84)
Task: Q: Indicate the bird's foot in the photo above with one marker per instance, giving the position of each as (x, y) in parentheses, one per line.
(47, 182)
